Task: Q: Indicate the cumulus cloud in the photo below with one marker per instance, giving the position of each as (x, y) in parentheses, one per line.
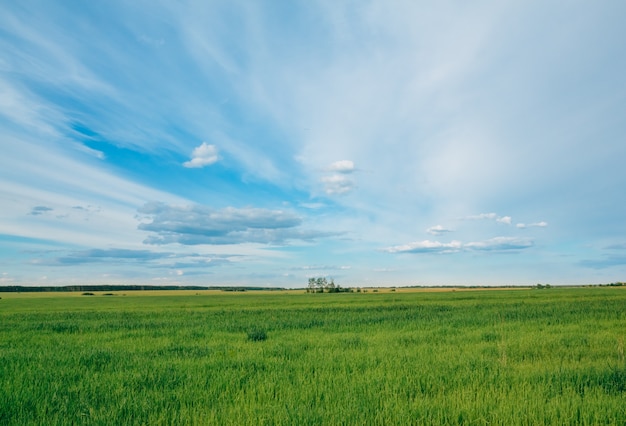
(190, 225)
(203, 155)
(438, 230)
(342, 166)
(338, 184)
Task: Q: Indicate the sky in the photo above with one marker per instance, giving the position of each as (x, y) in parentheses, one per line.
(261, 143)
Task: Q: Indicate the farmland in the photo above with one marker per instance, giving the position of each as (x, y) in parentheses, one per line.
(527, 356)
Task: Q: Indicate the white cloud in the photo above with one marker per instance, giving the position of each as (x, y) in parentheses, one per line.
(541, 224)
(491, 216)
(27, 110)
(322, 267)
(342, 166)
(493, 244)
(438, 230)
(203, 155)
(426, 246)
(196, 224)
(313, 206)
(504, 219)
(500, 243)
(337, 184)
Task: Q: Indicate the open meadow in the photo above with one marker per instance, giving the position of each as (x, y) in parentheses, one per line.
(551, 356)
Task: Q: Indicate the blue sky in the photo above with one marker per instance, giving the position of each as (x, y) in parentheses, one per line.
(262, 143)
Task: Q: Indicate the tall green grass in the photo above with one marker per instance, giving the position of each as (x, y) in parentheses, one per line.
(490, 357)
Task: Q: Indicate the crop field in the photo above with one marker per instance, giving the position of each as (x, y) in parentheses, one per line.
(530, 357)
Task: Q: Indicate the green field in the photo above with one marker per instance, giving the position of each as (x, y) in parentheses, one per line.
(530, 357)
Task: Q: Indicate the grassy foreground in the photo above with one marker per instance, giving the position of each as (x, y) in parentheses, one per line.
(489, 357)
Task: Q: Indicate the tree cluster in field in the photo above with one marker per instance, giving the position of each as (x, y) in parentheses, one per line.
(542, 286)
(322, 285)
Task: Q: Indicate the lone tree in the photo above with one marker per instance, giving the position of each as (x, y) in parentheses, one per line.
(321, 284)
